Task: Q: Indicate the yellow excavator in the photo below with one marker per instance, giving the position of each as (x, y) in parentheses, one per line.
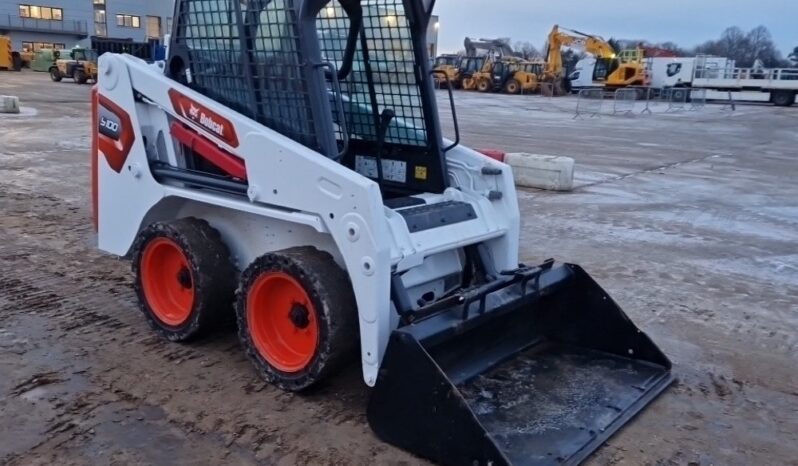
(613, 70)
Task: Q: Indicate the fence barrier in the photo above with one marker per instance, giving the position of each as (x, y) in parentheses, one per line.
(698, 99)
(589, 102)
(625, 101)
(677, 98)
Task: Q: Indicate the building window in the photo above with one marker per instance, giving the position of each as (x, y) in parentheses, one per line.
(36, 46)
(168, 25)
(153, 27)
(100, 23)
(128, 21)
(41, 12)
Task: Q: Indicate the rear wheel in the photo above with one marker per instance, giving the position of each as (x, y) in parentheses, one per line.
(185, 280)
(297, 317)
(512, 87)
(55, 75)
(81, 77)
(483, 85)
(783, 98)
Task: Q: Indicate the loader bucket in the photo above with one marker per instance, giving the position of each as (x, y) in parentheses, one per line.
(540, 372)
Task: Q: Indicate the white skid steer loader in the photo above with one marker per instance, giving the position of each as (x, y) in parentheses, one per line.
(287, 167)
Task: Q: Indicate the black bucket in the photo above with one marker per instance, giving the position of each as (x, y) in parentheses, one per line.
(545, 372)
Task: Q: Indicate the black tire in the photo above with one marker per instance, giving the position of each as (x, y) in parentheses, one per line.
(80, 77)
(783, 98)
(209, 274)
(679, 95)
(16, 61)
(55, 75)
(512, 87)
(332, 304)
(483, 85)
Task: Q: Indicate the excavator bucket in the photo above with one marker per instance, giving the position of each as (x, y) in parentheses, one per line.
(539, 371)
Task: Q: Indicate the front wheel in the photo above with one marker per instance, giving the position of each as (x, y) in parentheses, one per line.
(55, 75)
(679, 95)
(512, 87)
(81, 77)
(483, 85)
(297, 317)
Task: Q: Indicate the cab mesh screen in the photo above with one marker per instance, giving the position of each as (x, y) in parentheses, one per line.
(387, 80)
(246, 55)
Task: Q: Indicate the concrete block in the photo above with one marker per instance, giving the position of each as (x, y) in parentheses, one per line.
(9, 104)
(542, 171)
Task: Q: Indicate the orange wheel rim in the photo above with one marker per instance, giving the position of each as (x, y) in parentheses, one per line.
(167, 281)
(282, 321)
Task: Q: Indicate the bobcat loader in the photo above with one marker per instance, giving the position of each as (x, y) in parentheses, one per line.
(286, 168)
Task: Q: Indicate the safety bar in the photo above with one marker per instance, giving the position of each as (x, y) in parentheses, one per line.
(339, 103)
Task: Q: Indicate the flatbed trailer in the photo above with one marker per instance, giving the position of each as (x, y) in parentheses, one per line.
(775, 85)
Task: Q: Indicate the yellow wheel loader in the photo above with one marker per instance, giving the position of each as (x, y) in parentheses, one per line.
(447, 71)
(287, 169)
(513, 75)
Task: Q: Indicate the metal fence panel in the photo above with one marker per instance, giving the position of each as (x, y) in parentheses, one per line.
(625, 100)
(590, 103)
(698, 99)
(677, 99)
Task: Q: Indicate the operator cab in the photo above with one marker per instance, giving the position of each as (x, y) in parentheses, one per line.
(447, 60)
(273, 60)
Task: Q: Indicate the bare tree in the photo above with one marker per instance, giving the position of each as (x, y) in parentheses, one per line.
(526, 50)
(794, 56)
(744, 48)
(761, 47)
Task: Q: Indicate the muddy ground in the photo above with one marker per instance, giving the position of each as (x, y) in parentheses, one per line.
(688, 219)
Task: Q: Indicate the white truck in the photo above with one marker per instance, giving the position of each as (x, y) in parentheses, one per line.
(722, 80)
(583, 75)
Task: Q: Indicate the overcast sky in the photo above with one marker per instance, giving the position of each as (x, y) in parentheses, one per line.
(686, 22)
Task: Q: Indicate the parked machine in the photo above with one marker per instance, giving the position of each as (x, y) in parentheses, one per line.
(10, 60)
(468, 67)
(276, 166)
(611, 69)
(447, 71)
(516, 76)
(80, 66)
(490, 51)
(721, 79)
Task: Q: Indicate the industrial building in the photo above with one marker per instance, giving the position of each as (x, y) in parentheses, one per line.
(60, 24)
(38, 24)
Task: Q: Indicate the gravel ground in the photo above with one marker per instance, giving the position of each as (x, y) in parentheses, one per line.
(688, 219)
